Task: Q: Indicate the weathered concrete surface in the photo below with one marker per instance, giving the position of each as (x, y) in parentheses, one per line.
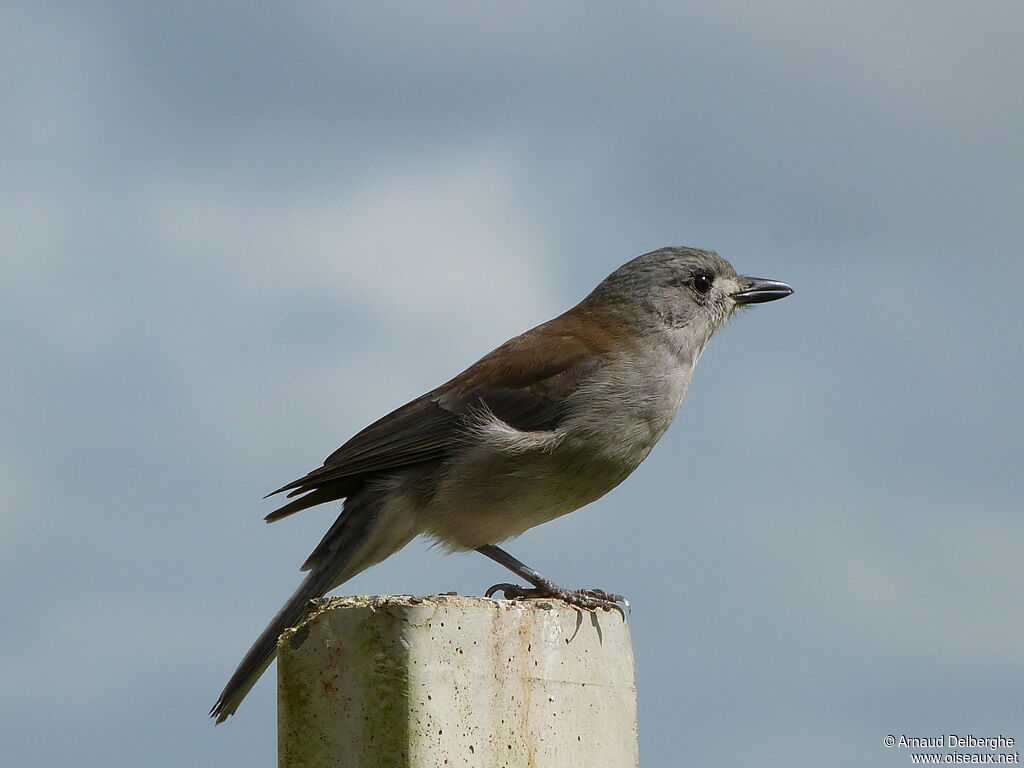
(456, 681)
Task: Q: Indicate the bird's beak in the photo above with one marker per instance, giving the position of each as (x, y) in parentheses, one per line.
(756, 290)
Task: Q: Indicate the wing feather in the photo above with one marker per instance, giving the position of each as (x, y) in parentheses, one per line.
(524, 383)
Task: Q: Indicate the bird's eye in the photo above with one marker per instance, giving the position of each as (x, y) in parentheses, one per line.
(702, 283)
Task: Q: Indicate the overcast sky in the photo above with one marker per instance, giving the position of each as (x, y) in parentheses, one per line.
(232, 234)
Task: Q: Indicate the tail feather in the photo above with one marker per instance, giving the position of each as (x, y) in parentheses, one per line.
(264, 649)
(330, 492)
(369, 529)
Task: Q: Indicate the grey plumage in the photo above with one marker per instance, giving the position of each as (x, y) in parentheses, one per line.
(546, 423)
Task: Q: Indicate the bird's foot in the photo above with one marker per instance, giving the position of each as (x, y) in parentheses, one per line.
(588, 599)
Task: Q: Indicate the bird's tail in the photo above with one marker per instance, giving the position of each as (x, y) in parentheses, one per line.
(369, 529)
(264, 649)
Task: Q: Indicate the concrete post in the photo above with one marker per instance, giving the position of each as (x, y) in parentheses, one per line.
(418, 682)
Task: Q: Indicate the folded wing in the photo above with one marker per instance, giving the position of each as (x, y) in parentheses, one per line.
(524, 382)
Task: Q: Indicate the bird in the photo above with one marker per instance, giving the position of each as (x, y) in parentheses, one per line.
(542, 425)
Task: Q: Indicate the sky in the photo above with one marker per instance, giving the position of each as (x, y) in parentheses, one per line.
(233, 234)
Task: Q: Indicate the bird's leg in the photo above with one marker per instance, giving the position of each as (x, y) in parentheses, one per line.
(590, 599)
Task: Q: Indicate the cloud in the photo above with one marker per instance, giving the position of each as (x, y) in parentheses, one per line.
(369, 291)
(234, 235)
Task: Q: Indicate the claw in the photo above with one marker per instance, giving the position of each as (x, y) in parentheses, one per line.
(609, 597)
(509, 591)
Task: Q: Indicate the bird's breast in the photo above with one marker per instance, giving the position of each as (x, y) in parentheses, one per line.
(504, 481)
(620, 415)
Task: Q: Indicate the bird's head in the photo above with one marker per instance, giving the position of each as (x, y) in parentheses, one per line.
(687, 293)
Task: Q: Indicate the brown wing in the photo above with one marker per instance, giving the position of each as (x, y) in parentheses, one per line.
(524, 382)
